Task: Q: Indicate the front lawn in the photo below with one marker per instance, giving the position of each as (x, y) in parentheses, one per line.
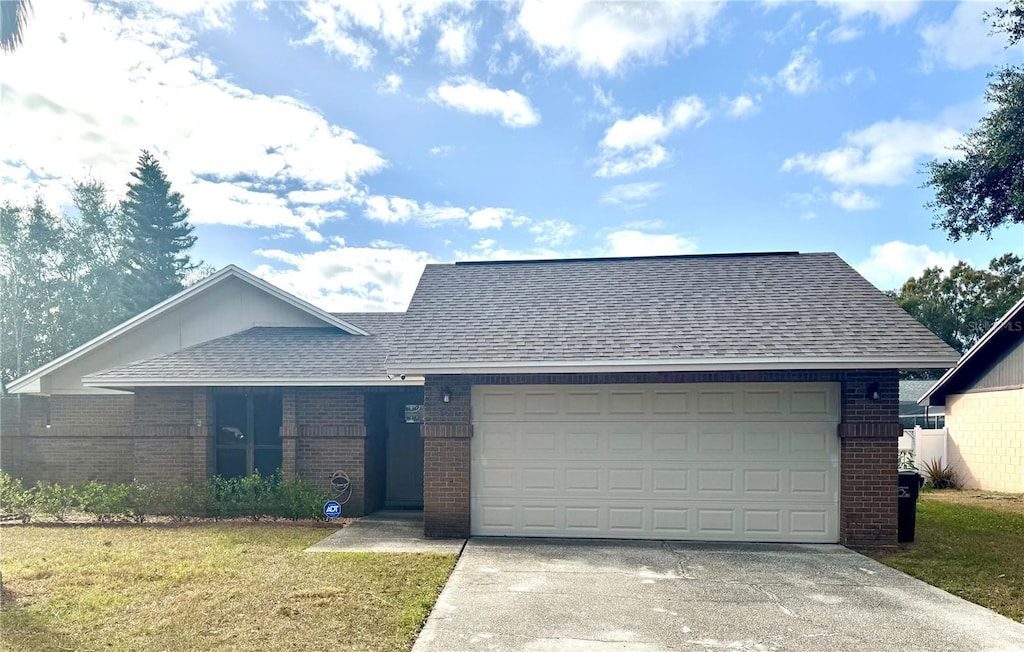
(205, 587)
(970, 546)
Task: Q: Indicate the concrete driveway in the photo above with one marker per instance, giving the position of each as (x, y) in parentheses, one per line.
(518, 594)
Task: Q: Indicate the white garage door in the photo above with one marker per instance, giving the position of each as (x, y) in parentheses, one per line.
(722, 462)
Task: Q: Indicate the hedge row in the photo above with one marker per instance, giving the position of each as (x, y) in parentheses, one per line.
(254, 497)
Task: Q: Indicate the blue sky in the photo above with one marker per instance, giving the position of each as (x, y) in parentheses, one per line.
(334, 148)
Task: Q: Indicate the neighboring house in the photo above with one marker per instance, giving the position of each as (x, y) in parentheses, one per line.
(983, 397)
(741, 397)
(914, 415)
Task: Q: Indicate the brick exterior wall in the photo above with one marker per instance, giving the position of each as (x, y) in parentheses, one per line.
(986, 439)
(105, 437)
(869, 432)
(162, 435)
(323, 431)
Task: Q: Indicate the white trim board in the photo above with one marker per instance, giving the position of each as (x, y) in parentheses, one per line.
(25, 383)
(626, 366)
(117, 383)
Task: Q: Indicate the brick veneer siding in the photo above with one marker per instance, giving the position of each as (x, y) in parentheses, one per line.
(986, 439)
(868, 431)
(323, 431)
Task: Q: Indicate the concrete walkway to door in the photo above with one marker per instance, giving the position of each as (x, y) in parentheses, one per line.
(386, 531)
(520, 594)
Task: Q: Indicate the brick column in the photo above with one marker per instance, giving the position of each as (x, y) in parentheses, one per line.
(289, 430)
(868, 463)
(446, 433)
(202, 446)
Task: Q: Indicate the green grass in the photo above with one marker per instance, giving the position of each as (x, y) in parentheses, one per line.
(974, 552)
(207, 587)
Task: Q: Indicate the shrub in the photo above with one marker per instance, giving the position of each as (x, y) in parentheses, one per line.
(16, 502)
(55, 500)
(141, 501)
(298, 499)
(184, 501)
(940, 476)
(906, 461)
(106, 502)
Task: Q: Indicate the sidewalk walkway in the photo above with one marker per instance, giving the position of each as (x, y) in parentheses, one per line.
(387, 531)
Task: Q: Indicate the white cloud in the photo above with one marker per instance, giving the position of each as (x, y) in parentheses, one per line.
(390, 84)
(472, 96)
(742, 106)
(963, 41)
(614, 164)
(344, 278)
(888, 12)
(226, 149)
(629, 242)
(633, 144)
(398, 210)
(844, 34)
(552, 232)
(891, 264)
(606, 37)
(346, 28)
(441, 150)
(883, 154)
(850, 199)
(632, 195)
(801, 74)
(457, 43)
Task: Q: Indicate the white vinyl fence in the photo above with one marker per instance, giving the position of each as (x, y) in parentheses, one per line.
(927, 445)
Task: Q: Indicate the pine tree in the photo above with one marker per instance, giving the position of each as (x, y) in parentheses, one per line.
(157, 257)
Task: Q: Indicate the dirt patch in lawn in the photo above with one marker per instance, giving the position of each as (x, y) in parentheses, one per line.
(969, 550)
(976, 498)
(207, 586)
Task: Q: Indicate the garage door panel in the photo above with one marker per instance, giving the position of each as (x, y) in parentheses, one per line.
(754, 462)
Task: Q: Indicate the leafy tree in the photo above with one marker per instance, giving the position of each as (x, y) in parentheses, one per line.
(983, 188)
(13, 19)
(962, 305)
(157, 260)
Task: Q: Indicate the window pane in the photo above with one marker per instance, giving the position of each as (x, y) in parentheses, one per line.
(231, 419)
(267, 460)
(266, 418)
(231, 462)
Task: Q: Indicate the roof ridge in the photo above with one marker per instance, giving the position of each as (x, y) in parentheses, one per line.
(751, 254)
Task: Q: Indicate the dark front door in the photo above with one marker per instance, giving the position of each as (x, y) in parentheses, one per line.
(405, 452)
(248, 437)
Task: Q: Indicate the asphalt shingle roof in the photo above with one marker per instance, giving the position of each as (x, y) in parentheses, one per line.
(277, 352)
(697, 308)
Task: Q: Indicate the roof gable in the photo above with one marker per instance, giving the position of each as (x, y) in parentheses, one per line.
(739, 311)
(256, 300)
(1007, 332)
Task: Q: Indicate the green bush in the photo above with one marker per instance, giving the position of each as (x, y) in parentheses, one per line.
(255, 497)
(16, 502)
(107, 502)
(906, 461)
(298, 499)
(55, 500)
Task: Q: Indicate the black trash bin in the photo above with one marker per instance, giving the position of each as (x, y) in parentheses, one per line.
(908, 490)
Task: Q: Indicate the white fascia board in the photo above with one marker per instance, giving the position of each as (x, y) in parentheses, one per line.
(117, 383)
(626, 366)
(21, 385)
(979, 345)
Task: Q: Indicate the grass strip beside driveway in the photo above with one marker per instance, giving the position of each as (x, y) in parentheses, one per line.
(205, 587)
(975, 552)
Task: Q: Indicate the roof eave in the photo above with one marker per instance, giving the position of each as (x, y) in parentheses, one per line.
(114, 382)
(626, 366)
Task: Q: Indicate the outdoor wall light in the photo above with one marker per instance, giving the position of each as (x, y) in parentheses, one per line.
(874, 392)
(446, 396)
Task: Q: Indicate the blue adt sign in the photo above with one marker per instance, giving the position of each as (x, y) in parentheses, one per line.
(332, 509)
